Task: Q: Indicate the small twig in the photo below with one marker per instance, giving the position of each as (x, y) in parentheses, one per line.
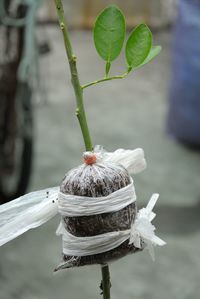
(105, 79)
(105, 283)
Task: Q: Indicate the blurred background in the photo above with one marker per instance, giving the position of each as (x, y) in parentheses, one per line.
(156, 108)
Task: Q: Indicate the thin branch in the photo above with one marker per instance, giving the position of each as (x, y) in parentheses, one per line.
(80, 110)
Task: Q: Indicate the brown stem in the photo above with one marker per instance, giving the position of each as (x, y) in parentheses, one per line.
(106, 285)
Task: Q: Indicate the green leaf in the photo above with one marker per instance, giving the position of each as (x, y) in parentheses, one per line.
(138, 46)
(155, 50)
(109, 33)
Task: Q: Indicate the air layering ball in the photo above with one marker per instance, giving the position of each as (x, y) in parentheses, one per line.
(98, 179)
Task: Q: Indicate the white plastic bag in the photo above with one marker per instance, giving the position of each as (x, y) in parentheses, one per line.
(132, 160)
(26, 212)
(36, 208)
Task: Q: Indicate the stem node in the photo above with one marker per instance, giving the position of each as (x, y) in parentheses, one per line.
(62, 26)
(74, 58)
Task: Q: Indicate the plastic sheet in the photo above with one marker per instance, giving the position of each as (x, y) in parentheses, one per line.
(132, 160)
(26, 212)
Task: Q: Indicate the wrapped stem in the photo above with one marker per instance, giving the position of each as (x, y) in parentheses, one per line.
(80, 112)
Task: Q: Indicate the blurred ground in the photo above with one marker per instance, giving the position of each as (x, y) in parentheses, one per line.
(129, 113)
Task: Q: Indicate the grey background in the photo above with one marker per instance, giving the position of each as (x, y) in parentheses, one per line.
(129, 114)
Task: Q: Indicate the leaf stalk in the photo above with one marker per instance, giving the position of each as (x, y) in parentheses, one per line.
(105, 79)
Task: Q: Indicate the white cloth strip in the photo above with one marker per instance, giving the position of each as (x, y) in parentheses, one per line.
(141, 230)
(73, 205)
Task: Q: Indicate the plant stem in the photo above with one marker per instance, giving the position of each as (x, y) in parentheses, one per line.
(80, 110)
(105, 79)
(106, 285)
